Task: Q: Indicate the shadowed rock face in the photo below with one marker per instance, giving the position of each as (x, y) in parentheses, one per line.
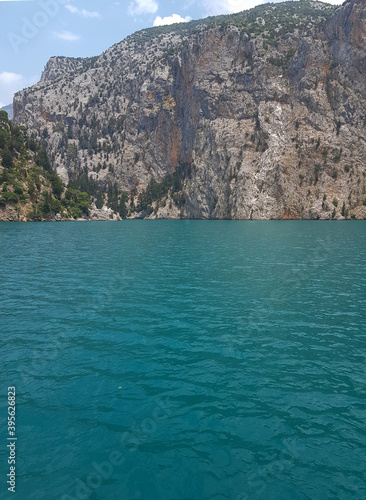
(346, 34)
(263, 114)
(9, 110)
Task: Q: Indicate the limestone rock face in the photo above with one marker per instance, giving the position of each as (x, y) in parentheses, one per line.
(346, 34)
(262, 114)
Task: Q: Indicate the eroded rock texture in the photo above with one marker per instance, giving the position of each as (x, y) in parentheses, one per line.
(262, 114)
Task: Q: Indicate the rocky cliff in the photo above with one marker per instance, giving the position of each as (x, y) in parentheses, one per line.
(257, 115)
(9, 110)
(30, 190)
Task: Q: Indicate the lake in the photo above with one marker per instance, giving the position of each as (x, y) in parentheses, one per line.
(185, 360)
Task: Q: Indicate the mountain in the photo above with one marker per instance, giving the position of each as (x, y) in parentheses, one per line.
(257, 115)
(29, 188)
(9, 110)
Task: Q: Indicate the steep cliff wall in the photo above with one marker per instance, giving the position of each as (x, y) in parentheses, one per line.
(261, 114)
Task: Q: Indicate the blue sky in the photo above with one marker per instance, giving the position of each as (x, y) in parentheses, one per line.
(34, 30)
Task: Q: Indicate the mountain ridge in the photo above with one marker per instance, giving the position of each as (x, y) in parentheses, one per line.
(9, 110)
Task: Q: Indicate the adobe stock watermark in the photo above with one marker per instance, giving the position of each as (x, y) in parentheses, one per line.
(31, 26)
(129, 442)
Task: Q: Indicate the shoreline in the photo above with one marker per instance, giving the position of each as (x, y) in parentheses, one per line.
(344, 219)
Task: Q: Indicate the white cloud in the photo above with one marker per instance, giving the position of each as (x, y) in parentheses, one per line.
(142, 7)
(72, 8)
(66, 35)
(11, 83)
(174, 18)
(87, 14)
(7, 78)
(215, 7)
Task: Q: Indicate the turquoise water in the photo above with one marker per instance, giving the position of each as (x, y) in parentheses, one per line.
(185, 360)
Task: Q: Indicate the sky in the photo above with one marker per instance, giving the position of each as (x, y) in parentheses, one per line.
(32, 31)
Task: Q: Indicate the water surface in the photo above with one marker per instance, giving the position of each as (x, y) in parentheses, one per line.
(185, 360)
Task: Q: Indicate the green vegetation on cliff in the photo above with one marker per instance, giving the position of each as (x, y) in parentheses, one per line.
(29, 188)
(262, 113)
(273, 20)
(156, 192)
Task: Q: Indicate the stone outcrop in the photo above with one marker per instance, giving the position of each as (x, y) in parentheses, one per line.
(262, 114)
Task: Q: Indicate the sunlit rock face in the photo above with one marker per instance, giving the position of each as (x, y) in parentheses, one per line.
(262, 114)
